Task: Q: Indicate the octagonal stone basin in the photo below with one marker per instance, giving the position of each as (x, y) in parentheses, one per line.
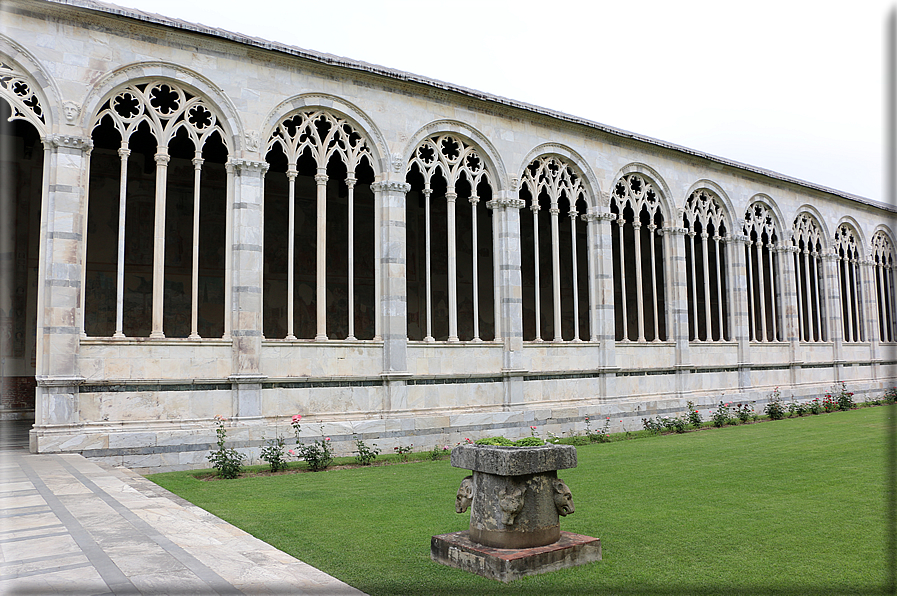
(516, 495)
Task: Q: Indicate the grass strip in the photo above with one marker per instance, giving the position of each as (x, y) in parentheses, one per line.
(794, 507)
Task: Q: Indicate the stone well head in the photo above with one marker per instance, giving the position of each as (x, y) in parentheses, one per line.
(517, 497)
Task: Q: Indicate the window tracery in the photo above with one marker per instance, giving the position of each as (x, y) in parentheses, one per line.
(330, 145)
(445, 164)
(17, 89)
(883, 264)
(850, 284)
(157, 122)
(807, 238)
(704, 222)
(638, 260)
(554, 186)
(762, 268)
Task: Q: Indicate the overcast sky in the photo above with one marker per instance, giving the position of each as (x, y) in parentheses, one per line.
(792, 86)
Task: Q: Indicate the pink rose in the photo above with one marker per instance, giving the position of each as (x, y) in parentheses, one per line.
(297, 417)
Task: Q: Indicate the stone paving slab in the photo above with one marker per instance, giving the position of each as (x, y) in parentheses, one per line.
(71, 526)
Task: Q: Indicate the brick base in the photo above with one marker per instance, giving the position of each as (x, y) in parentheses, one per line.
(506, 565)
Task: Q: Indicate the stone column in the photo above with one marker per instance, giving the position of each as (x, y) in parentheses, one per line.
(677, 298)
(246, 292)
(392, 236)
(162, 159)
(506, 207)
(60, 283)
(790, 305)
(870, 295)
(739, 316)
(831, 318)
(601, 259)
(321, 259)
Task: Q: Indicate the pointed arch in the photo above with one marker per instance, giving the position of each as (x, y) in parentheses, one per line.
(580, 165)
(639, 200)
(554, 192)
(183, 141)
(452, 250)
(328, 162)
(763, 235)
(808, 237)
(882, 255)
(214, 98)
(707, 224)
(20, 65)
(847, 246)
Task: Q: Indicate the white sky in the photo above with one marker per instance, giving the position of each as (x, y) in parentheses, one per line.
(796, 87)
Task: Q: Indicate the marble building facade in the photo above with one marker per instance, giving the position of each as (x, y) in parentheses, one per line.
(199, 223)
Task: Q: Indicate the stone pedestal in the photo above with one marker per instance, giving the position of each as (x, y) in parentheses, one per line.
(516, 499)
(506, 565)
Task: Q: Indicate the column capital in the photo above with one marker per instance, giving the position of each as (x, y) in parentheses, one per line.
(321, 178)
(554, 210)
(123, 152)
(474, 200)
(674, 231)
(249, 166)
(392, 186)
(68, 142)
(351, 180)
(162, 158)
(505, 202)
(291, 174)
(602, 216)
(451, 196)
(197, 162)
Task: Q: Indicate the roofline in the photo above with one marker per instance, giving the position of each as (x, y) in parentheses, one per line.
(391, 73)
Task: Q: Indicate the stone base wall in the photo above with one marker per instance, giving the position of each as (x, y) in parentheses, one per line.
(183, 441)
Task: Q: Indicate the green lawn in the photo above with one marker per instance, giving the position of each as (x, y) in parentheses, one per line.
(791, 507)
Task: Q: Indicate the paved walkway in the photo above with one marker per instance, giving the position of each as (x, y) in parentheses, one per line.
(70, 526)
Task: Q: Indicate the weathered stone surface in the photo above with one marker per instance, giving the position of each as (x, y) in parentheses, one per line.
(506, 565)
(514, 461)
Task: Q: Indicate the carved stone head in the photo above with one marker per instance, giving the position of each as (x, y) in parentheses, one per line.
(563, 498)
(465, 495)
(510, 502)
(70, 110)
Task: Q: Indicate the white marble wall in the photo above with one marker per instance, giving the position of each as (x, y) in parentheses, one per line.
(77, 58)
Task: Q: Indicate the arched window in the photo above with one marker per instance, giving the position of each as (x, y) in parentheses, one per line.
(883, 261)
(848, 254)
(319, 231)
(705, 262)
(451, 284)
(808, 268)
(157, 211)
(639, 299)
(554, 252)
(762, 266)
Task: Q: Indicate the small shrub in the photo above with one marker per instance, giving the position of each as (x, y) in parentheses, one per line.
(775, 409)
(652, 425)
(744, 412)
(228, 461)
(529, 442)
(500, 441)
(402, 451)
(814, 406)
(602, 435)
(694, 417)
(890, 396)
(273, 453)
(798, 408)
(843, 397)
(439, 451)
(365, 455)
(829, 403)
(318, 455)
(722, 416)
